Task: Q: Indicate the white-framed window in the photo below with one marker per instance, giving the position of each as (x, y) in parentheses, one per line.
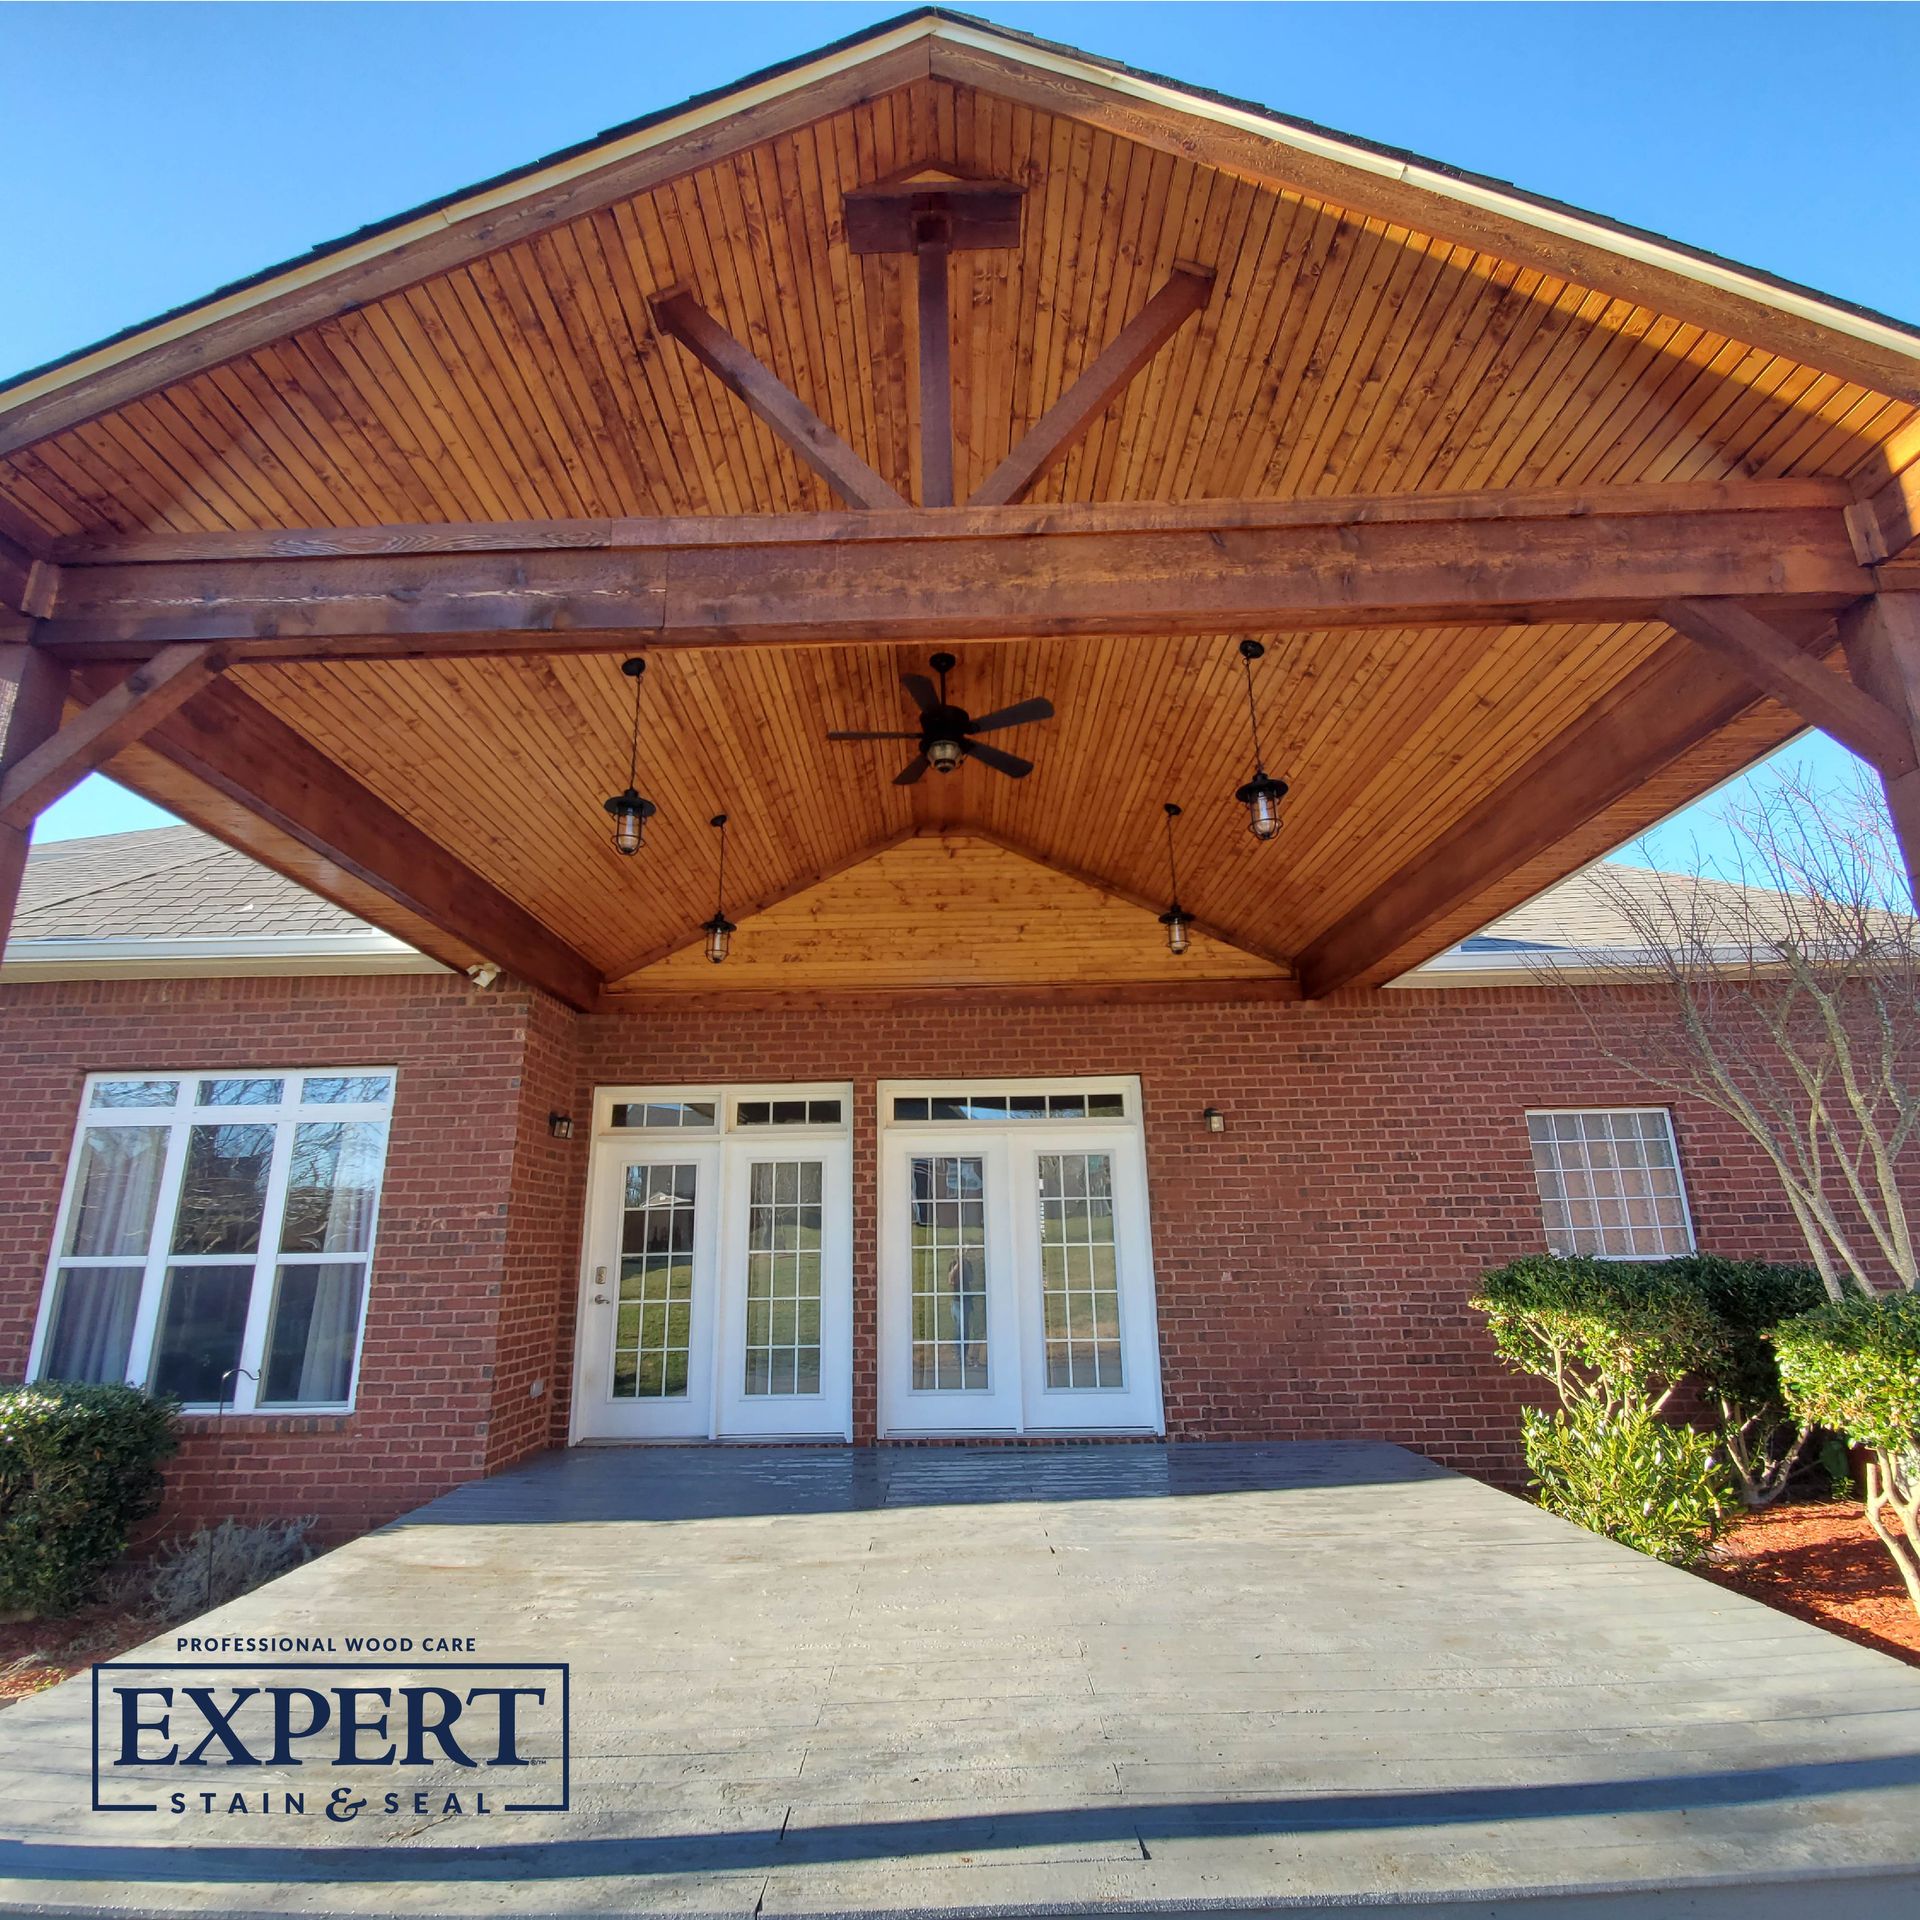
(216, 1235)
(1609, 1180)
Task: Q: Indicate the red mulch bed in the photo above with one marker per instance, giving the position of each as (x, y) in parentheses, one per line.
(1820, 1561)
(36, 1653)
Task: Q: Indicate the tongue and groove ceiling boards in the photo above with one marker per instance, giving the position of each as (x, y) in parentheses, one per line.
(1375, 326)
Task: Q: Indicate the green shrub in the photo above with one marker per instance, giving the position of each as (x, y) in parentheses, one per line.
(79, 1468)
(1612, 1329)
(1855, 1367)
(1631, 1476)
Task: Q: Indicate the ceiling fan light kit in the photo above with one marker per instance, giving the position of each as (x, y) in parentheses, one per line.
(630, 813)
(949, 734)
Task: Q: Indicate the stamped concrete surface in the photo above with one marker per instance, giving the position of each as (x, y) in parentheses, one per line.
(1115, 1679)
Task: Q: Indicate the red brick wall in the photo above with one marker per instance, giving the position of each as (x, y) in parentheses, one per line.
(1313, 1262)
(443, 1261)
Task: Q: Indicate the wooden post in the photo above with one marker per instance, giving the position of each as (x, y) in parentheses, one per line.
(1882, 640)
(936, 374)
(33, 694)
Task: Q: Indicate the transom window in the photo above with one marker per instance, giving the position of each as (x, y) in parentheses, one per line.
(216, 1235)
(1609, 1180)
(999, 1108)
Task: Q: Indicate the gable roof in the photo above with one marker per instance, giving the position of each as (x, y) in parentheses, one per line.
(175, 900)
(1892, 344)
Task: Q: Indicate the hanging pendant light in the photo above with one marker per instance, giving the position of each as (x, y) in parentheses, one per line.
(1261, 796)
(719, 930)
(630, 813)
(1175, 918)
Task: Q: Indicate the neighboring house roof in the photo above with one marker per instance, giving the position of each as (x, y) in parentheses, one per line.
(174, 900)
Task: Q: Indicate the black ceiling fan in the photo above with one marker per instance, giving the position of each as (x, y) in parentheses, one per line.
(948, 734)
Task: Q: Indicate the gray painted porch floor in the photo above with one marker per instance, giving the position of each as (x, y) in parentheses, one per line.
(1128, 1679)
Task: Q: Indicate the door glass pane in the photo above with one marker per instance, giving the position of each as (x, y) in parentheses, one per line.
(316, 1320)
(332, 1180)
(223, 1192)
(783, 1277)
(203, 1315)
(92, 1328)
(653, 1321)
(239, 1093)
(1079, 1272)
(948, 1253)
(114, 1194)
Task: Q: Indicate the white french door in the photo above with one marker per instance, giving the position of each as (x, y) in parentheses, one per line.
(717, 1296)
(1016, 1260)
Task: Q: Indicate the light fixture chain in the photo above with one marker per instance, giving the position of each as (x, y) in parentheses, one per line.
(1253, 716)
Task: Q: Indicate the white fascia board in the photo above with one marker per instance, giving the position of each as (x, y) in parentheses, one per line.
(169, 958)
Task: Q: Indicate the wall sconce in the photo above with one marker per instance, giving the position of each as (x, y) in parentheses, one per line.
(1215, 1119)
(560, 1125)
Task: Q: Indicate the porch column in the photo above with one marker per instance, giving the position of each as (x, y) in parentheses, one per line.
(33, 693)
(1882, 640)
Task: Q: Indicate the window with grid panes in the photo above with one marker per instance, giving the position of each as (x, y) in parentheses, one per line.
(1609, 1180)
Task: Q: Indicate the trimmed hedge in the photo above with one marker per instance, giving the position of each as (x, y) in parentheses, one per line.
(79, 1469)
(1855, 1367)
(1633, 1330)
(1748, 1299)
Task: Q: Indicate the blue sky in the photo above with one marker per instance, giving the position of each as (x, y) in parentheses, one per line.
(170, 148)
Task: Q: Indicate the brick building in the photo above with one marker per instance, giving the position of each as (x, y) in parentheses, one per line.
(1103, 583)
(1309, 1263)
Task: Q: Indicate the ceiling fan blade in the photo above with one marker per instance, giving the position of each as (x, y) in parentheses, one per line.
(1014, 716)
(909, 775)
(1008, 763)
(921, 691)
(873, 736)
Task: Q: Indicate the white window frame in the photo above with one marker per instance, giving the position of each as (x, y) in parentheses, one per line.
(179, 1119)
(1665, 1115)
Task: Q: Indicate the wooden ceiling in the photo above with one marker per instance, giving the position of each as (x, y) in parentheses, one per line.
(1339, 354)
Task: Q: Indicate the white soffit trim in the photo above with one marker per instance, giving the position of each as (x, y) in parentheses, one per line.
(1564, 222)
(186, 958)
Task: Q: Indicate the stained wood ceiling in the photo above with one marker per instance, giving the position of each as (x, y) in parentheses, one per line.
(1338, 354)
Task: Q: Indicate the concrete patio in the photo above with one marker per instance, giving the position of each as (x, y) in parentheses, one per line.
(1118, 1679)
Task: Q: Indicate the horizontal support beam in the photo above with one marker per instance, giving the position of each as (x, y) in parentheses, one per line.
(1668, 706)
(1776, 666)
(228, 741)
(94, 735)
(964, 574)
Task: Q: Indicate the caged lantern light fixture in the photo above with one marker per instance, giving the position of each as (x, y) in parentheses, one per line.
(719, 930)
(1261, 796)
(630, 813)
(1175, 918)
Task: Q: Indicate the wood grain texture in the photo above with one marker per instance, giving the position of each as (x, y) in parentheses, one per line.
(941, 911)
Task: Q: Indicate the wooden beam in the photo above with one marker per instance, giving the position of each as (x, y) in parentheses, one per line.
(1882, 641)
(1775, 665)
(28, 584)
(993, 573)
(364, 268)
(1270, 151)
(1055, 434)
(1884, 519)
(228, 742)
(93, 736)
(769, 399)
(1669, 705)
(936, 374)
(33, 696)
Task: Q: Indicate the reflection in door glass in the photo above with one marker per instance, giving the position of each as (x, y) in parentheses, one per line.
(1079, 1278)
(783, 1277)
(653, 1327)
(948, 1249)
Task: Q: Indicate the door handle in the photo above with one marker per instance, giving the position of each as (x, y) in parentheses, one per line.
(599, 1280)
